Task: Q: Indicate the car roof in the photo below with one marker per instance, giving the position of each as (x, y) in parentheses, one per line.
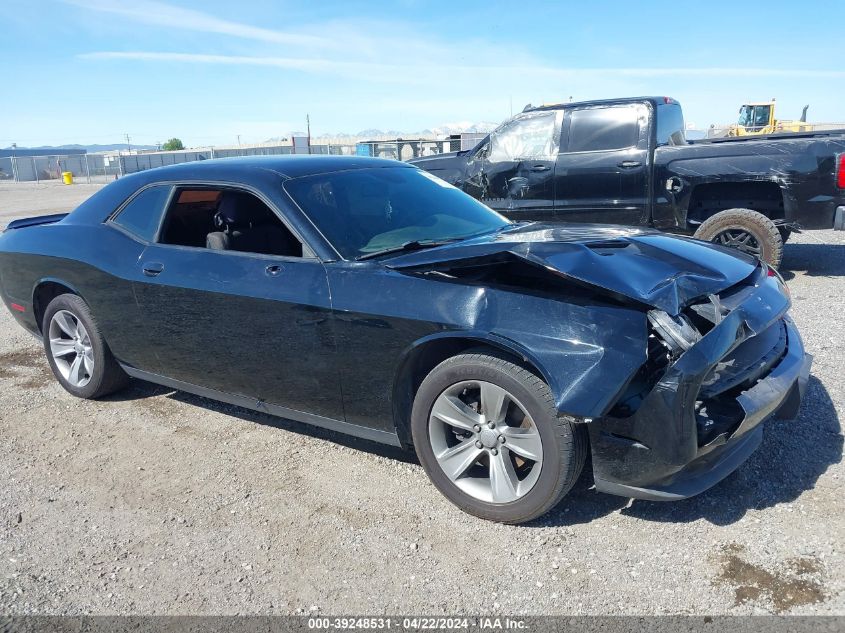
(286, 166)
(247, 170)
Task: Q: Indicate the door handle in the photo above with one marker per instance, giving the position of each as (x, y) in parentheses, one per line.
(152, 269)
(273, 270)
(540, 168)
(629, 164)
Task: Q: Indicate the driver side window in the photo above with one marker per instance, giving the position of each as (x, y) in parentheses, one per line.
(530, 137)
(226, 219)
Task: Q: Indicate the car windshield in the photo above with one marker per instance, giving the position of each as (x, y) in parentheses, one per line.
(365, 211)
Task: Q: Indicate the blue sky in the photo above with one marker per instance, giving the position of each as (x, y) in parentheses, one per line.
(89, 71)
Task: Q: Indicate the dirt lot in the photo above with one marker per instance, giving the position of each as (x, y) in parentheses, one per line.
(29, 198)
(155, 501)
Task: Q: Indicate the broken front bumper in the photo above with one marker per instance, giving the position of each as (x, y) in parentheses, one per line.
(660, 452)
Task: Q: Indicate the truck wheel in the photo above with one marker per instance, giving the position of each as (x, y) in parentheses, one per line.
(746, 230)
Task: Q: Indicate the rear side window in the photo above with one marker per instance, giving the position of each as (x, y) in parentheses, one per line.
(142, 215)
(597, 129)
(670, 125)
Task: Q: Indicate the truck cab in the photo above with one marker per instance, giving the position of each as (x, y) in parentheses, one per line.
(585, 162)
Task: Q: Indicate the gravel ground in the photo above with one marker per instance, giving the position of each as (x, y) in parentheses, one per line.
(158, 502)
(49, 196)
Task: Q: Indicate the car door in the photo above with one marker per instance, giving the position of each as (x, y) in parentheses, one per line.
(513, 172)
(601, 172)
(243, 323)
(131, 228)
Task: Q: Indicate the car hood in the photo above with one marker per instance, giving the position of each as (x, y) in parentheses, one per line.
(664, 271)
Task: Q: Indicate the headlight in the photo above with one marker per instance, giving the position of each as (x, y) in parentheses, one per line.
(677, 332)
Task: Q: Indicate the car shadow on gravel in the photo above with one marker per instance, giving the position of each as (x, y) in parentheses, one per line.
(792, 457)
(815, 260)
(140, 390)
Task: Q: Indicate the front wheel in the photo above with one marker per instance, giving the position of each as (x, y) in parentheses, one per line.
(78, 355)
(487, 434)
(746, 230)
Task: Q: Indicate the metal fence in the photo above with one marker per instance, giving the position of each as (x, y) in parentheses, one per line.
(93, 168)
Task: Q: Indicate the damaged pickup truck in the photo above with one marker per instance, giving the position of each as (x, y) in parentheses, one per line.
(368, 297)
(626, 161)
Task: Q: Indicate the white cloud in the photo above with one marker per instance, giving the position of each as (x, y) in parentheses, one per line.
(398, 72)
(422, 73)
(158, 13)
(357, 49)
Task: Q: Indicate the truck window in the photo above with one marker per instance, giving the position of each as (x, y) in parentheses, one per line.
(761, 116)
(531, 136)
(670, 125)
(597, 129)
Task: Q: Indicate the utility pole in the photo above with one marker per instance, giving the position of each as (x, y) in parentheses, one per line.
(128, 144)
(239, 140)
(308, 126)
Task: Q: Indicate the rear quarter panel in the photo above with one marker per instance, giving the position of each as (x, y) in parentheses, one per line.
(96, 261)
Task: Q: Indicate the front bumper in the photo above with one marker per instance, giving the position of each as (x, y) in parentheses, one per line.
(657, 453)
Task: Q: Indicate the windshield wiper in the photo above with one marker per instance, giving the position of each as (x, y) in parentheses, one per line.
(413, 245)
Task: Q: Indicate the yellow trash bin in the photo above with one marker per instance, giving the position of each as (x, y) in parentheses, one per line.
(67, 177)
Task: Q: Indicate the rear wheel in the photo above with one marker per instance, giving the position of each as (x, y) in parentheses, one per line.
(487, 433)
(79, 357)
(746, 230)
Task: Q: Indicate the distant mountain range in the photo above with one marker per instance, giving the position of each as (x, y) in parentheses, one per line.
(441, 130)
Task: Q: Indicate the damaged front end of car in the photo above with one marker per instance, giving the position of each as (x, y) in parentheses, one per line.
(670, 351)
(692, 413)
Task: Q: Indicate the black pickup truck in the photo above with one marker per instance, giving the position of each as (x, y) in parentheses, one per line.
(627, 161)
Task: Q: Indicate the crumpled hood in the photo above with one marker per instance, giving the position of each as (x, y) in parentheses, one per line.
(664, 271)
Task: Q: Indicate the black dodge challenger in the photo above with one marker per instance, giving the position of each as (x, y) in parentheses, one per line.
(369, 297)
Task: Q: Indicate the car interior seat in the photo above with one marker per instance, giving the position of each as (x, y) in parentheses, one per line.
(245, 224)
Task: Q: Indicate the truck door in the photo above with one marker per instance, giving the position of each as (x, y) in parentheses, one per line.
(601, 174)
(513, 172)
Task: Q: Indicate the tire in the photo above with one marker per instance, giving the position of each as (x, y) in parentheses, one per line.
(79, 356)
(732, 226)
(562, 443)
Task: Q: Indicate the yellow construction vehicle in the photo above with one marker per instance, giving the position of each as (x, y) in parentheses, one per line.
(759, 118)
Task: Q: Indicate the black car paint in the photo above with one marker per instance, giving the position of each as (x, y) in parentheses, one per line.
(650, 184)
(335, 343)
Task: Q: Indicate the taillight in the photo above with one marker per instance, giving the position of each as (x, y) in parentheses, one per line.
(840, 171)
(771, 272)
